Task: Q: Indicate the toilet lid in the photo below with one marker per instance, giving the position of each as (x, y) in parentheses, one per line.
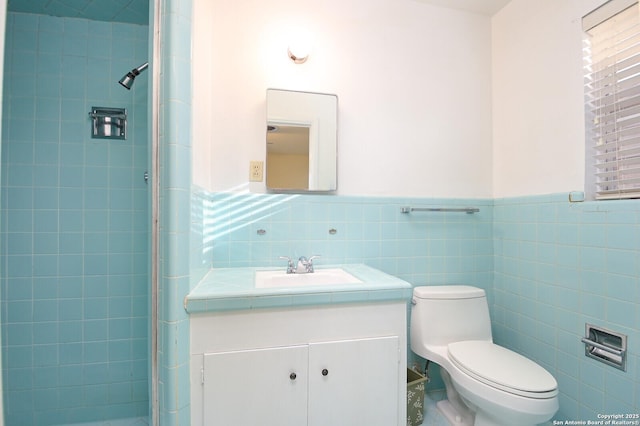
(501, 368)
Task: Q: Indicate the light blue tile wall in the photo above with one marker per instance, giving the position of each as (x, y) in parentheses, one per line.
(175, 214)
(558, 266)
(421, 247)
(74, 224)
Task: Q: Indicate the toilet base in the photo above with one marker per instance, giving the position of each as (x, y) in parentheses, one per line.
(460, 412)
(452, 415)
(453, 408)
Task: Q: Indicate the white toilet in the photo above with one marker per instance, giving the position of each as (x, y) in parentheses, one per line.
(486, 384)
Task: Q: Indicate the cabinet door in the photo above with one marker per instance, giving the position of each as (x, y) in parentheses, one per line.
(256, 387)
(354, 382)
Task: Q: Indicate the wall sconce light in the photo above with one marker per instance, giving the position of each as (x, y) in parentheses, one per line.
(298, 55)
(299, 49)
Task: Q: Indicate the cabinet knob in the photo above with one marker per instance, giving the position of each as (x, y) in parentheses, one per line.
(325, 372)
(292, 376)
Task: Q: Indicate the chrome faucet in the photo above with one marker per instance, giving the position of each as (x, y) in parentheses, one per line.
(291, 268)
(305, 266)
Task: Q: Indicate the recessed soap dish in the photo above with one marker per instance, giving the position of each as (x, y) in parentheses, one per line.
(108, 123)
(606, 346)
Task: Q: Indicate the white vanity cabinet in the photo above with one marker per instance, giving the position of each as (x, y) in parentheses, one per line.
(262, 386)
(317, 366)
(329, 383)
(354, 382)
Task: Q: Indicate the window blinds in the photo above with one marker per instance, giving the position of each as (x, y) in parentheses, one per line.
(612, 88)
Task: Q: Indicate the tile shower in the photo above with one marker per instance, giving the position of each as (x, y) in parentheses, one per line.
(74, 224)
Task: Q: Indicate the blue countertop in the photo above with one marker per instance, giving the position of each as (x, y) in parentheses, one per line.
(225, 289)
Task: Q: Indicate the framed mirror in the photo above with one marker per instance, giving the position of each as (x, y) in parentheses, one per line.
(302, 129)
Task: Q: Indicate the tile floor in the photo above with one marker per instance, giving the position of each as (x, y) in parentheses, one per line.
(135, 421)
(432, 416)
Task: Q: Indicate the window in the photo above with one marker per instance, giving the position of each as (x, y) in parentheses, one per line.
(612, 91)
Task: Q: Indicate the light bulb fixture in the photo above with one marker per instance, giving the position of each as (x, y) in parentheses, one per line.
(300, 47)
(299, 56)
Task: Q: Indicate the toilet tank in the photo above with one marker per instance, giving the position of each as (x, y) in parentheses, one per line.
(445, 314)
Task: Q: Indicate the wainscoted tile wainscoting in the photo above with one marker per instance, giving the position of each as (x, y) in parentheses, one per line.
(548, 265)
(421, 247)
(559, 265)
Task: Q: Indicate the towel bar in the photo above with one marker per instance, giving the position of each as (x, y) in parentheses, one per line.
(467, 210)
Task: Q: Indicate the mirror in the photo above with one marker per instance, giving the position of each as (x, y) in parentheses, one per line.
(301, 138)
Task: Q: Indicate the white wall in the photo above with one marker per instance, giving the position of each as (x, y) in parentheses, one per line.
(538, 101)
(413, 84)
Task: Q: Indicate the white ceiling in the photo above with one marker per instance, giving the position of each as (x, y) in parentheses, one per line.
(484, 7)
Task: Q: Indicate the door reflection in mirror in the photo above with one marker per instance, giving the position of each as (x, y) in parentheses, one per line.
(288, 156)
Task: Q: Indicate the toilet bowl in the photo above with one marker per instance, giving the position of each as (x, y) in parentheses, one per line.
(486, 384)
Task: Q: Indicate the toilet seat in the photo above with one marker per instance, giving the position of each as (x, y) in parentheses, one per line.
(503, 369)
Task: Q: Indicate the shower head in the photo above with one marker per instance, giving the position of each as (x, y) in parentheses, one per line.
(127, 80)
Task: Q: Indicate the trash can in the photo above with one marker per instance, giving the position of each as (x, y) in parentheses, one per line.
(415, 397)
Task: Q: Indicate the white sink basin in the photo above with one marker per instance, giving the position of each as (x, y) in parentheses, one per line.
(270, 279)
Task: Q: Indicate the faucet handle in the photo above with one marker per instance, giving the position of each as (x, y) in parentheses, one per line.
(310, 262)
(290, 266)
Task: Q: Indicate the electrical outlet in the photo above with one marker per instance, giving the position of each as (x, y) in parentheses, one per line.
(255, 171)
